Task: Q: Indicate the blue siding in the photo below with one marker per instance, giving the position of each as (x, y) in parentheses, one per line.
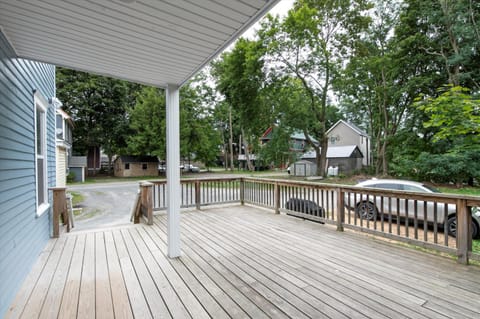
(22, 234)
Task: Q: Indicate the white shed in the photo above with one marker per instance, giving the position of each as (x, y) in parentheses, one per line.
(303, 168)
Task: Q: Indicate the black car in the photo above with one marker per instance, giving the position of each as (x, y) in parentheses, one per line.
(304, 206)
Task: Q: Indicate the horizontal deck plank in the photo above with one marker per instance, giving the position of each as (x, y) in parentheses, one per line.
(242, 262)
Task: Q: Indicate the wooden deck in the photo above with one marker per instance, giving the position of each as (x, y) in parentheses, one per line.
(242, 262)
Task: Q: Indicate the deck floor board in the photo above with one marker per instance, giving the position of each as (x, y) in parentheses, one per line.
(242, 262)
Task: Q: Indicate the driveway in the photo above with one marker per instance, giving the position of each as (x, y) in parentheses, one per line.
(110, 204)
(105, 205)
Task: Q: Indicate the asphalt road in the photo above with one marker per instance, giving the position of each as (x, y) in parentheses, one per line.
(105, 205)
(110, 204)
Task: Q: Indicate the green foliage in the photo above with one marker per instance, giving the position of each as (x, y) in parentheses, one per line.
(308, 49)
(198, 138)
(454, 113)
(147, 122)
(98, 106)
(277, 150)
(454, 168)
(71, 177)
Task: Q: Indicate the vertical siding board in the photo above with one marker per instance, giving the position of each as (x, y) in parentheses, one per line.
(23, 235)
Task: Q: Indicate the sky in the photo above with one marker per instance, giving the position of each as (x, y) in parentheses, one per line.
(281, 9)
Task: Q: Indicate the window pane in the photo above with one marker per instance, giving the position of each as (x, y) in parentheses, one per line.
(41, 181)
(39, 131)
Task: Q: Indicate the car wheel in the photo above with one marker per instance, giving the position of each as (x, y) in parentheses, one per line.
(475, 231)
(452, 227)
(366, 210)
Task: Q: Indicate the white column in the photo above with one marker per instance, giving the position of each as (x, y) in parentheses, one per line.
(173, 170)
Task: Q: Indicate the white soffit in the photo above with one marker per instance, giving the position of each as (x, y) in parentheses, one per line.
(154, 42)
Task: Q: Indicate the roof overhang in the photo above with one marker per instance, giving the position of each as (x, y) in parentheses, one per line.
(145, 41)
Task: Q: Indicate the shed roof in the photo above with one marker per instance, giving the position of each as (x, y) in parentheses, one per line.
(149, 41)
(78, 161)
(335, 152)
(137, 159)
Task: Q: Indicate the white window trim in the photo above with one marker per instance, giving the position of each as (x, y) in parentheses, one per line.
(41, 102)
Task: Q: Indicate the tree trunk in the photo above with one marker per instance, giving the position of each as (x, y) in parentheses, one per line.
(322, 156)
(94, 161)
(230, 140)
(384, 158)
(110, 170)
(247, 153)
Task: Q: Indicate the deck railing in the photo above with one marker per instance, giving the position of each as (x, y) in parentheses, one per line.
(403, 216)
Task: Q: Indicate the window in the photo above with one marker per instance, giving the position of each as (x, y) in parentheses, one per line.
(41, 153)
(127, 165)
(412, 188)
(144, 166)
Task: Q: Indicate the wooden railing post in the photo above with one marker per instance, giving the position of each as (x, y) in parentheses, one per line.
(340, 209)
(59, 207)
(242, 191)
(146, 194)
(277, 198)
(464, 237)
(197, 194)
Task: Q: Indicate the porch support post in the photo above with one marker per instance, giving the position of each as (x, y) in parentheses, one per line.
(173, 171)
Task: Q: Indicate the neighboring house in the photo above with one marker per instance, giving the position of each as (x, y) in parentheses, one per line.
(297, 144)
(63, 141)
(346, 134)
(298, 141)
(27, 165)
(93, 160)
(78, 168)
(127, 166)
(347, 158)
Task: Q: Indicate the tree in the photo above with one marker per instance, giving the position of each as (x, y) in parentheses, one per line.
(239, 77)
(371, 88)
(455, 113)
(148, 124)
(440, 37)
(98, 107)
(311, 45)
(198, 137)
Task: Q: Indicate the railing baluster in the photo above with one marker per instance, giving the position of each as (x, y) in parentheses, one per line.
(425, 223)
(389, 215)
(445, 223)
(435, 224)
(415, 218)
(407, 218)
(381, 214)
(398, 215)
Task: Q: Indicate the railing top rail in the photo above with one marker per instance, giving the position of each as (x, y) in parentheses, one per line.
(442, 197)
(439, 197)
(202, 179)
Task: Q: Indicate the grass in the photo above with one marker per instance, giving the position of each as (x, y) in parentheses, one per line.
(476, 246)
(112, 179)
(77, 198)
(471, 191)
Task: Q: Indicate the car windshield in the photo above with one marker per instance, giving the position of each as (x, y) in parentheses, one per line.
(431, 188)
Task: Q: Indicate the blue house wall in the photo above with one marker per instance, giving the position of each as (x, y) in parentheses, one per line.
(22, 234)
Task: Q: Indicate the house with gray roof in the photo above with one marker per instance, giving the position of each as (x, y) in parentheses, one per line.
(347, 158)
(344, 133)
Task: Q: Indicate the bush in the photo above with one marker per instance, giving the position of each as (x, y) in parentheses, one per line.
(455, 168)
(71, 177)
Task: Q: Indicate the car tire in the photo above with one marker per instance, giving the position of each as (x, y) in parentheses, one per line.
(366, 210)
(452, 227)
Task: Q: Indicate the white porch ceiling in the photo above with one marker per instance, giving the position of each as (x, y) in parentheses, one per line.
(154, 42)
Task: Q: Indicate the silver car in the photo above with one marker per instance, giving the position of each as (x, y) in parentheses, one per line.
(366, 209)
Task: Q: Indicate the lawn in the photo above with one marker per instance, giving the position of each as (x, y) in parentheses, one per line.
(471, 191)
